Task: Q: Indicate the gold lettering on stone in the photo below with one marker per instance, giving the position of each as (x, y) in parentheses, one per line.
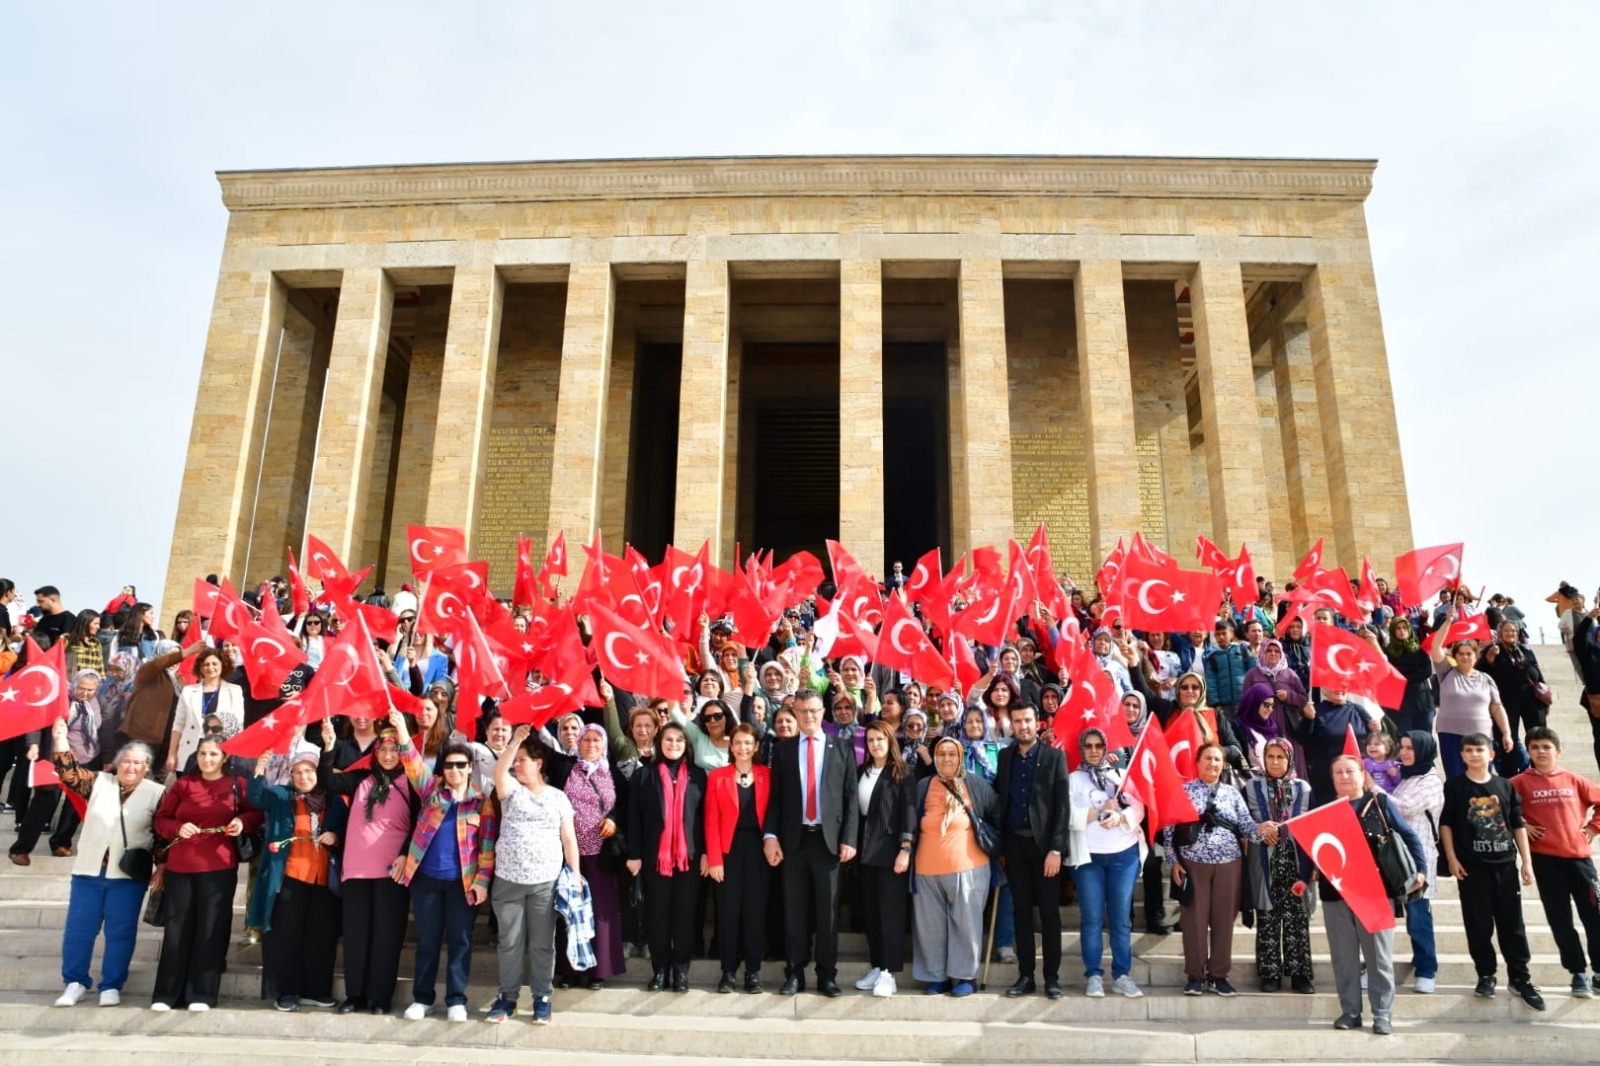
(1048, 486)
(1152, 494)
(516, 497)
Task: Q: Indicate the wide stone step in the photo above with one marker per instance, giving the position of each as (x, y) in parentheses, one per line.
(804, 1028)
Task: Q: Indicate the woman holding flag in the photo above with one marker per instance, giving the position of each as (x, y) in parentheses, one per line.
(1106, 848)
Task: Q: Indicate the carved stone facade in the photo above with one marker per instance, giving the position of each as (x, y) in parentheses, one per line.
(945, 350)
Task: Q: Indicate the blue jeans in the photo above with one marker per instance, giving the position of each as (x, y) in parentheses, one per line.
(1419, 927)
(1105, 890)
(443, 917)
(1005, 923)
(97, 900)
(1450, 760)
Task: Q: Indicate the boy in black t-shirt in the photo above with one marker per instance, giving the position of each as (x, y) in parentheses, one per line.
(1481, 832)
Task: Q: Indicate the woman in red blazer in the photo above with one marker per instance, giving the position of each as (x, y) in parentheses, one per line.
(736, 805)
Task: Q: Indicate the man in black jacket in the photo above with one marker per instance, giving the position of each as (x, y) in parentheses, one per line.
(811, 827)
(1032, 788)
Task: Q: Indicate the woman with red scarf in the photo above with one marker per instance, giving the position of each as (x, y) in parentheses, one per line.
(666, 849)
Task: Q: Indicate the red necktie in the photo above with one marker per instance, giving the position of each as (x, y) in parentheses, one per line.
(811, 783)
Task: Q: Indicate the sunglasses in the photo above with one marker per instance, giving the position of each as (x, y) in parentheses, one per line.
(456, 765)
(712, 717)
(1090, 745)
(1188, 688)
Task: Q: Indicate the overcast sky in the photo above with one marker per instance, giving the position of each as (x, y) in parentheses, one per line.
(1485, 220)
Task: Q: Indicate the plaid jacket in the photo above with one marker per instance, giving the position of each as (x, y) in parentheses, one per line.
(477, 823)
(576, 908)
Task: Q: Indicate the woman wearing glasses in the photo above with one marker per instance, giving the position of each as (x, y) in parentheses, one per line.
(1106, 852)
(448, 865)
(708, 733)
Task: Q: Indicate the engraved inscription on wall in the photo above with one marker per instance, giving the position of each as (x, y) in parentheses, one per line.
(1047, 485)
(1152, 493)
(516, 497)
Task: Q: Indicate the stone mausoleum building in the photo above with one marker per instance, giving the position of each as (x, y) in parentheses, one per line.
(900, 352)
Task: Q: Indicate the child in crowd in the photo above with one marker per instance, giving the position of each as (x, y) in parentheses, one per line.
(1380, 761)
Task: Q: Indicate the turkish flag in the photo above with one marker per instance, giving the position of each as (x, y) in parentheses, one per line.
(1184, 737)
(1325, 588)
(192, 636)
(1145, 550)
(1239, 575)
(844, 566)
(1048, 585)
(1332, 837)
(1093, 702)
(904, 645)
(1421, 574)
(322, 563)
(44, 776)
(478, 674)
(1154, 781)
(274, 732)
(1108, 579)
(555, 564)
(938, 602)
(558, 643)
(524, 589)
(963, 662)
(595, 569)
(205, 598)
(35, 696)
(1210, 556)
(839, 632)
(441, 609)
(685, 589)
(924, 576)
(753, 620)
(1351, 746)
(1367, 595)
(431, 547)
(1166, 599)
(573, 691)
(299, 599)
(800, 574)
(646, 580)
(1345, 662)
(1311, 564)
(637, 660)
(1467, 627)
(861, 600)
(270, 655)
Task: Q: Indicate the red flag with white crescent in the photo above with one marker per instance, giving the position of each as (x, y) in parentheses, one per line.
(1166, 599)
(35, 696)
(525, 589)
(44, 776)
(636, 660)
(555, 564)
(432, 547)
(924, 576)
(299, 599)
(1332, 838)
(1154, 781)
(1423, 573)
(1342, 661)
(1311, 565)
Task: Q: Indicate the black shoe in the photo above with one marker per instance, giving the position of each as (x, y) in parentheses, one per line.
(1052, 989)
(596, 984)
(752, 983)
(1303, 986)
(658, 981)
(1382, 1027)
(1024, 986)
(1529, 993)
(288, 1003)
(351, 1005)
(1348, 1021)
(1485, 986)
(378, 1010)
(792, 984)
(562, 981)
(1271, 984)
(727, 984)
(828, 987)
(1157, 929)
(680, 978)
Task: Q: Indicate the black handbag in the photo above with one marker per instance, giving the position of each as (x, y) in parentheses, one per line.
(154, 912)
(138, 863)
(249, 844)
(1396, 865)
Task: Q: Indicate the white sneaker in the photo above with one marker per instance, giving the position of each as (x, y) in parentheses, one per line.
(1095, 988)
(1125, 986)
(1008, 955)
(1424, 986)
(110, 997)
(199, 1008)
(74, 995)
(866, 983)
(418, 1011)
(456, 1013)
(160, 1008)
(886, 985)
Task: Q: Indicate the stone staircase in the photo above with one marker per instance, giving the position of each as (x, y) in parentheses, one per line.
(622, 1022)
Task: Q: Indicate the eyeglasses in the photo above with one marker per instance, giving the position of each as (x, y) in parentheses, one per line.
(313, 622)
(456, 765)
(1090, 745)
(713, 717)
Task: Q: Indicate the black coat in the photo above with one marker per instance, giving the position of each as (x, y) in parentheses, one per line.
(647, 815)
(836, 794)
(887, 821)
(1050, 802)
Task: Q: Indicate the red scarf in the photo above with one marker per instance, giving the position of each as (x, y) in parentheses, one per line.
(673, 852)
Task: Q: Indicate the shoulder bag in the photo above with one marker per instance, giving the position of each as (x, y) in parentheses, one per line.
(249, 844)
(1396, 865)
(138, 863)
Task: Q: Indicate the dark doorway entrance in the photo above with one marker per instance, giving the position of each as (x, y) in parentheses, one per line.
(653, 449)
(788, 447)
(916, 452)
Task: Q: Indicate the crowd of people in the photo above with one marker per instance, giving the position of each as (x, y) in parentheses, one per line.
(787, 796)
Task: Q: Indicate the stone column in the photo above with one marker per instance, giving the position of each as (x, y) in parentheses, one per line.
(283, 481)
(1305, 468)
(1105, 393)
(338, 509)
(861, 411)
(578, 455)
(1228, 412)
(703, 409)
(619, 426)
(466, 400)
(217, 500)
(986, 406)
(1366, 480)
(419, 427)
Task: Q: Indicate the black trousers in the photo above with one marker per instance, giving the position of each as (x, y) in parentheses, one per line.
(194, 945)
(1491, 909)
(1155, 890)
(1030, 888)
(669, 908)
(742, 903)
(375, 910)
(298, 950)
(36, 821)
(811, 898)
(1564, 884)
(885, 897)
(12, 758)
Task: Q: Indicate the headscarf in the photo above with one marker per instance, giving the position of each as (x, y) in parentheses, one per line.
(1283, 666)
(1098, 772)
(167, 647)
(1399, 648)
(1426, 750)
(591, 765)
(316, 800)
(1249, 720)
(1280, 792)
(382, 779)
(1288, 750)
(954, 792)
(1144, 711)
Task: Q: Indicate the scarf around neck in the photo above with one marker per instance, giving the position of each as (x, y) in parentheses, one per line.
(672, 855)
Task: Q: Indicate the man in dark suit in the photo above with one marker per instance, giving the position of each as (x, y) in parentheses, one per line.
(1032, 786)
(811, 828)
